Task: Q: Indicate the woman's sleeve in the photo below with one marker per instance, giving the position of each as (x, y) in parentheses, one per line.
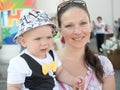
(107, 66)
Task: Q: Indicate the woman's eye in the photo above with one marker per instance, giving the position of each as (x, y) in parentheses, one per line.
(67, 26)
(83, 23)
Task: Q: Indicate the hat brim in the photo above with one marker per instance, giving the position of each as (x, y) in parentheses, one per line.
(47, 23)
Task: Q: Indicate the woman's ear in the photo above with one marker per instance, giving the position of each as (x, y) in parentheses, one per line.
(60, 31)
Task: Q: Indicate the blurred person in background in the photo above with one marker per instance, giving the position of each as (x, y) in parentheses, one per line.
(100, 32)
(116, 26)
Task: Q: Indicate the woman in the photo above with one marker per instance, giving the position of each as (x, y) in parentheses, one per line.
(77, 58)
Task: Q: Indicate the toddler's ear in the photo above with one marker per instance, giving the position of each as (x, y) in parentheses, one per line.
(22, 41)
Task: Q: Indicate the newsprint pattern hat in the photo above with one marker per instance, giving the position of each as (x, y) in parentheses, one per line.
(30, 19)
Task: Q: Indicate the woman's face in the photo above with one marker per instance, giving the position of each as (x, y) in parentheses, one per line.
(75, 27)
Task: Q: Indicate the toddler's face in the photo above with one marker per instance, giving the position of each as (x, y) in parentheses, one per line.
(38, 41)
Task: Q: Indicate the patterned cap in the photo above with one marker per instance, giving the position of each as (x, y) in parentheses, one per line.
(30, 19)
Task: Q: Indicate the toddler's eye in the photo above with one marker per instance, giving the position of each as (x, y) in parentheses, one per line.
(37, 38)
(50, 37)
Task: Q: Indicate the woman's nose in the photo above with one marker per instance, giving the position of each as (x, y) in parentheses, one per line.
(77, 30)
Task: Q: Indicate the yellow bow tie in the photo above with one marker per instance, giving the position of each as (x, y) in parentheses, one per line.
(47, 67)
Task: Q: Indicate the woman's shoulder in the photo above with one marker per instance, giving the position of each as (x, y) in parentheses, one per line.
(104, 60)
(59, 53)
(107, 65)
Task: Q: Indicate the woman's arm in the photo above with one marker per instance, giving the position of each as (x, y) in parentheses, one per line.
(109, 79)
(66, 77)
(109, 83)
(14, 86)
(61, 75)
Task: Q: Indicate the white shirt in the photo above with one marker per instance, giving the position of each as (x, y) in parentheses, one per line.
(102, 30)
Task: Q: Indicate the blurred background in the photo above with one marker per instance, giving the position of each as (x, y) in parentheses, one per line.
(10, 12)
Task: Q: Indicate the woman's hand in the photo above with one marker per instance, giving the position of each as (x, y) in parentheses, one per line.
(78, 83)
